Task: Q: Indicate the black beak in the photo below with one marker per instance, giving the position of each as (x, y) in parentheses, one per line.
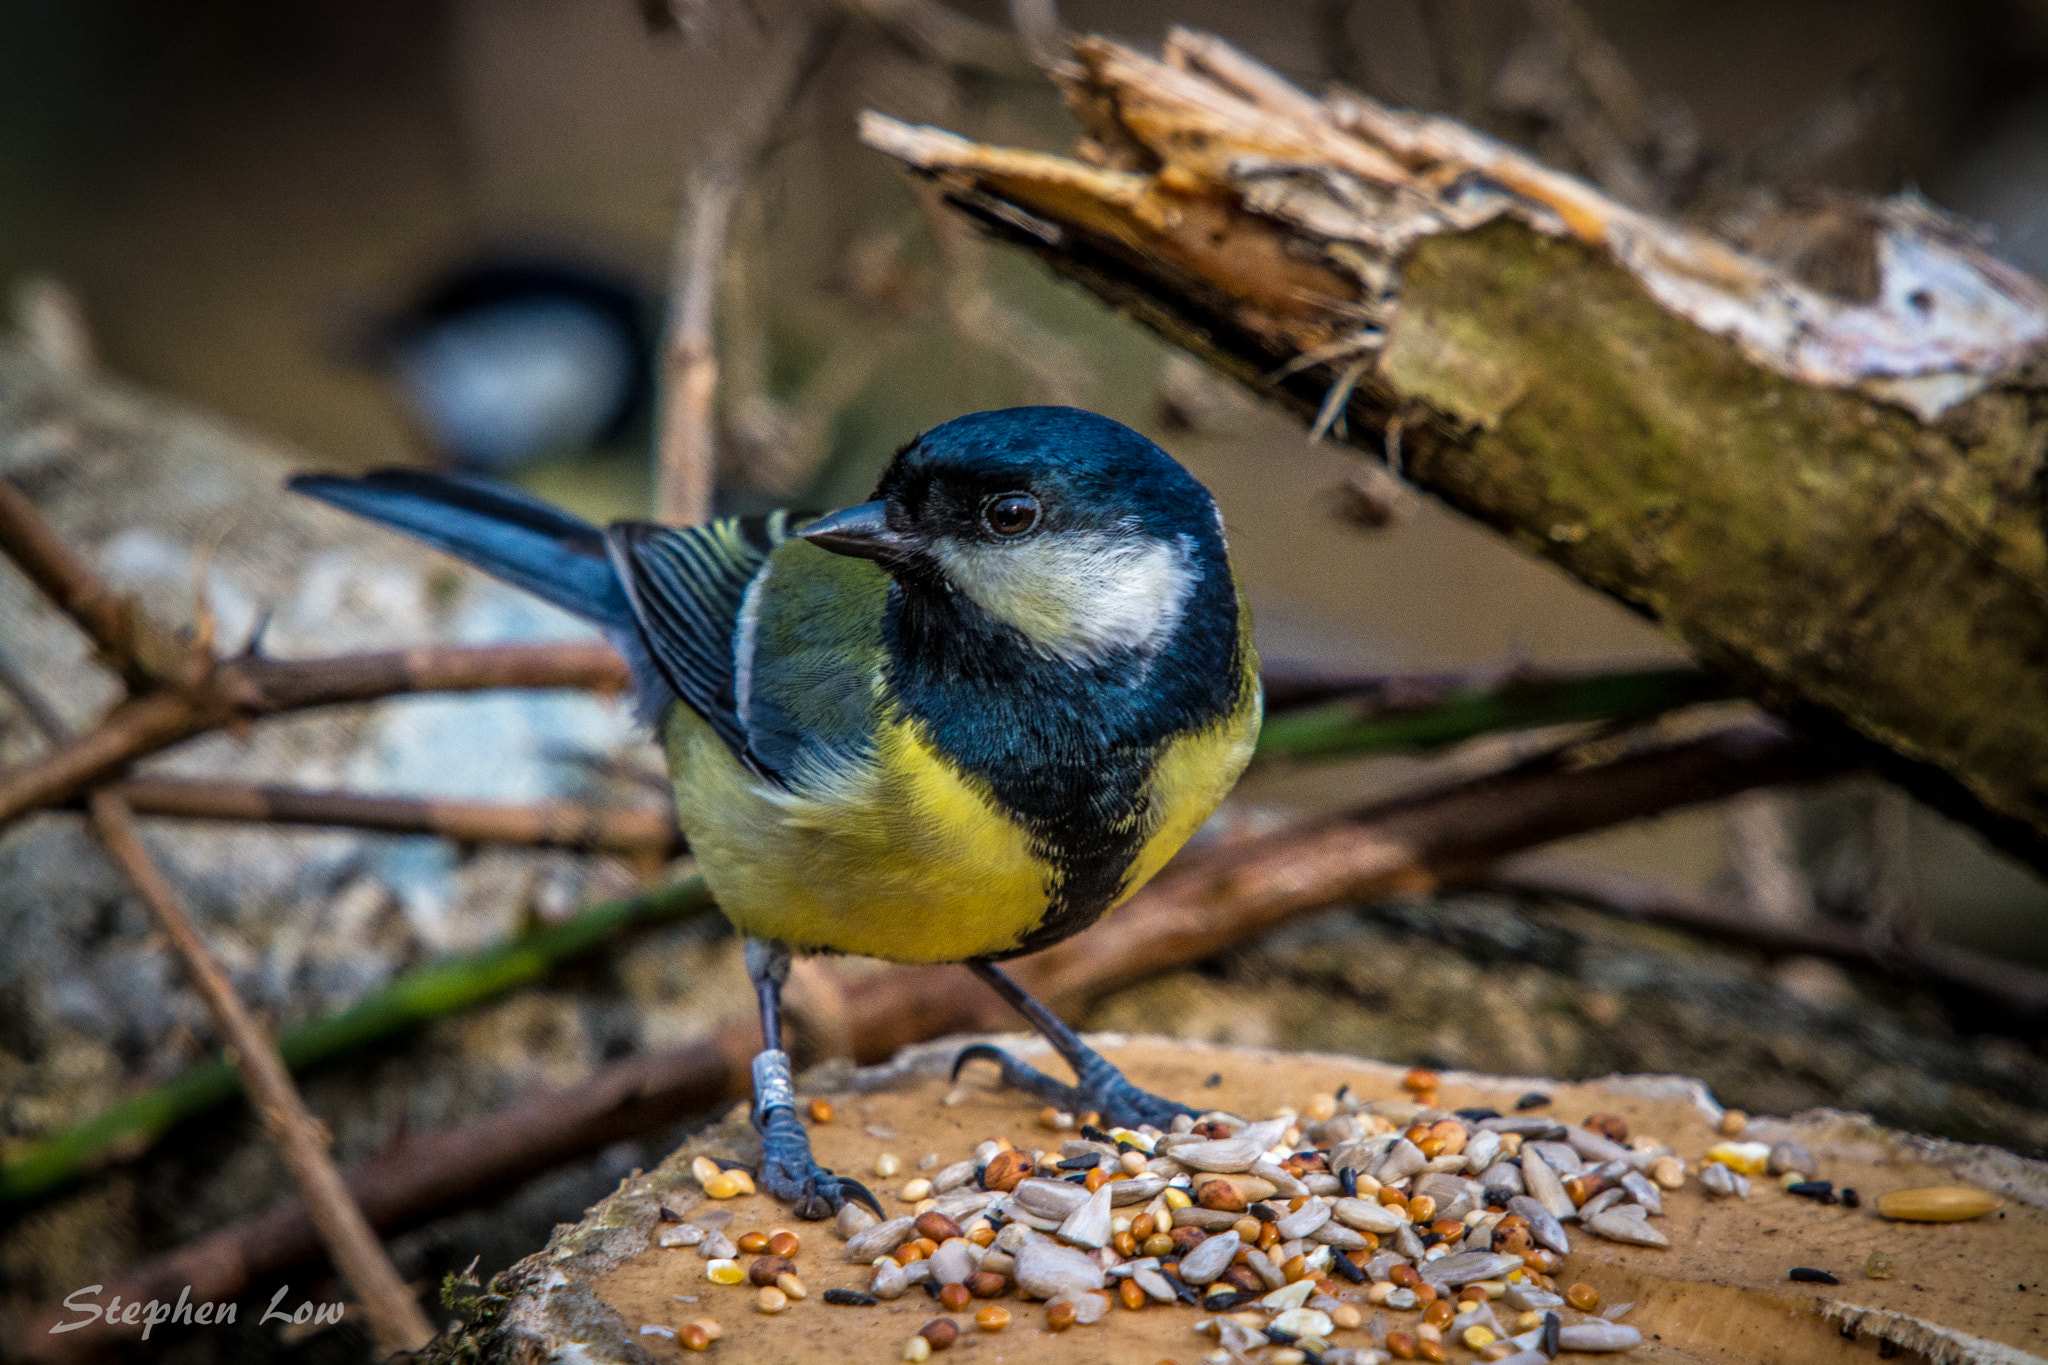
(862, 532)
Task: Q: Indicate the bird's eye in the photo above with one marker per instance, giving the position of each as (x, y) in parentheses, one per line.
(1011, 515)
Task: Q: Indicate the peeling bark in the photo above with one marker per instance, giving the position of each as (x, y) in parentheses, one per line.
(1837, 501)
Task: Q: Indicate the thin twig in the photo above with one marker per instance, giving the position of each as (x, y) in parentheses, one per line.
(544, 824)
(246, 689)
(128, 644)
(688, 432)
(1208, 901)
(396, 1320)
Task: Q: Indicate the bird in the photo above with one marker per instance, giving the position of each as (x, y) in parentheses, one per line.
(504, 360)
(957, 722)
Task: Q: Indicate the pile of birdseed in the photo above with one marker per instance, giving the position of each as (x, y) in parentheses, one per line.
(1347, 1232)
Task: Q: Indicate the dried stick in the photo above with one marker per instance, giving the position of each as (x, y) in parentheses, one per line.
(396, 1320)
(1210, 900)
(688, 430)
(544, 824)
(129, 644)
(245, 689)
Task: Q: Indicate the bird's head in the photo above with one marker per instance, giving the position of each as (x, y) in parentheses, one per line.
(1072, 529)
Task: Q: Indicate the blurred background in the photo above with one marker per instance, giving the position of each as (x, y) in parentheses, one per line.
(442, 231)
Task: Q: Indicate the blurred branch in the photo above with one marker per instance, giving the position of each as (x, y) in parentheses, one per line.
(687, 436)
(420, 996)
(2018, 989)
(128, 644)
(1423, 713)
(1206, 901)
(584, 829)
(247, 688)
(396, 1321)
(32, 702)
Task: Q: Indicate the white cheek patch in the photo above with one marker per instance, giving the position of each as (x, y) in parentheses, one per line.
(1080, 595)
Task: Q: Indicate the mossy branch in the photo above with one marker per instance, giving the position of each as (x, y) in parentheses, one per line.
(1839, 503)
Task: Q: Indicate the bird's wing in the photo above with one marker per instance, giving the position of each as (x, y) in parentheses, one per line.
(813, 664)
(773, 641)
(686, 587)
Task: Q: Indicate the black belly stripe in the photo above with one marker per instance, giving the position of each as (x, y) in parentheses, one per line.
(1067, 752)
(1091, 849)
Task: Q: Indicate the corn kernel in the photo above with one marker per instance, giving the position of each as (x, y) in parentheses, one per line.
(722, 1186)
(724, 1271)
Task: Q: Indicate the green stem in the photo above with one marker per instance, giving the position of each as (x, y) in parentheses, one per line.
(433, 991)
(1349, 729)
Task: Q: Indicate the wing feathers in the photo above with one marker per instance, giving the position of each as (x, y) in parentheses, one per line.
(686, 588)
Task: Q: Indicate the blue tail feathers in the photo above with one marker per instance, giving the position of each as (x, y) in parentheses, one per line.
(502, 530)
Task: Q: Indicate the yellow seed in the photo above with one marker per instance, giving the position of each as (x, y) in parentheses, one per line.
(744, 1180)
(723, 1271)
(917, 1350)
(1346, 1315)
(1528, 1322)
(703, 1168)
(1177, 1198)
(821, 1110)
(790, 1285)
(887, 1165)
(915, 1190)
(1936, 1204)
(992, 1317)
(771, 1299)
(1747, 1157)
(722, 1186)
(1477, 1336)
(1733, 1122)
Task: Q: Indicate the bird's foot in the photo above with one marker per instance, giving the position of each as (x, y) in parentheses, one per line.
(1102, 1089)
(788, 1170)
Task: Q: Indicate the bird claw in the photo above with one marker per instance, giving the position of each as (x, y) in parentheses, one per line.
(1103, 1088)
(790, 1173)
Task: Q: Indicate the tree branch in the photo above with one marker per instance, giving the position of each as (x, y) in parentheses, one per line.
(585, 829)
(1689, 428)
(127, 643)
(688, 431)
(396, 1321)
(246, 689)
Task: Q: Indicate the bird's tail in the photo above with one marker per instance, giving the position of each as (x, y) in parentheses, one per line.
(500, 529)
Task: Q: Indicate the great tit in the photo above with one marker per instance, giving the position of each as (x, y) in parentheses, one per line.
(955, 723)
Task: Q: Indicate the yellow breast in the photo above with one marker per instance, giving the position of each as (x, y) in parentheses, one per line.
(907, 858)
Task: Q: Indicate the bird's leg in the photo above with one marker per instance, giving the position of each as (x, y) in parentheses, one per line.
(788, 1170)
(1102, 1087)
